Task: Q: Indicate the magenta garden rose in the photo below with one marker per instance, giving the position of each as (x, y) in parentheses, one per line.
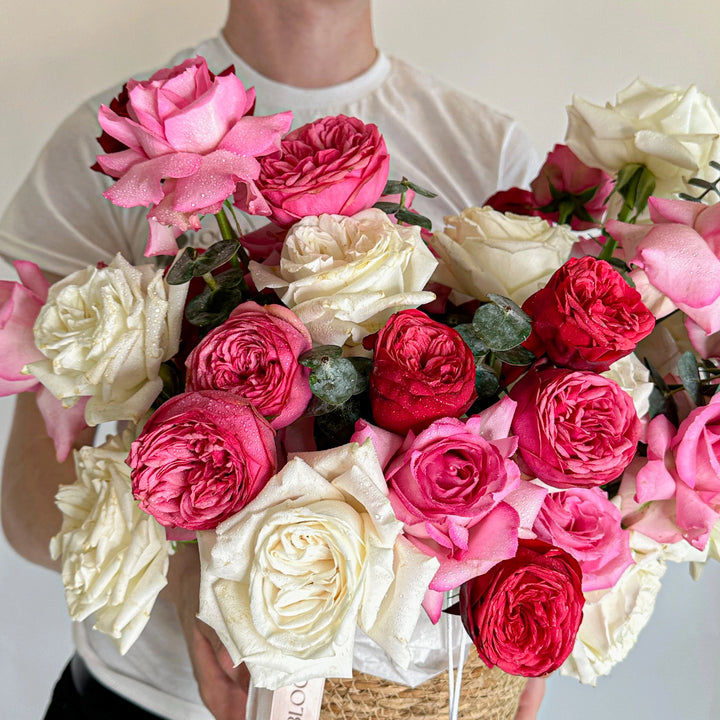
(587, 316)
(586, 524)
(422, 371)
(200, 458)
(524, 614)
(574, 428)
(191, 143)
(336, 165)
(254, 354)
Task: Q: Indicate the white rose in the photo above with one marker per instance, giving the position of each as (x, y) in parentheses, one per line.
(674, 133)
(318, 552)
(483, 251)
(105, 333)
(114, 556)
(634, 378)
(345, 276)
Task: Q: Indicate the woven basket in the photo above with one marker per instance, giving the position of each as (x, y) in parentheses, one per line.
(486, 695)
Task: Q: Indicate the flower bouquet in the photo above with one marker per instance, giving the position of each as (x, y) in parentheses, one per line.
(370, 429)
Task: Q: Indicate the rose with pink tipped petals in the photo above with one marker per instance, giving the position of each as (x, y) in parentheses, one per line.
(191, 142)
(583, 522)
(336, 165)
(678, 255)
(574, 428)
(200, 458)
(254, 355)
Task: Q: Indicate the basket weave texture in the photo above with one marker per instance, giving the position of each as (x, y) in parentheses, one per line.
(486, 695)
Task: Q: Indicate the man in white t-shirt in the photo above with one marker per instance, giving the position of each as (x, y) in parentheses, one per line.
(315, 57)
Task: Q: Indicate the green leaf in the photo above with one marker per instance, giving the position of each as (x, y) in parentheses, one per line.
(476, 345)
(645, 188)
(232, 278)
(182, 269)
(387, 207)
(626, 175)
(690, 376)
(656, 377)
(363, 367)
(334, 381)
(519, 356)
(413, 218)
(215, 256)
(394, 187)
(486, 381)
(501, 324)
(419, 190)
(715, 165)
(699, 182)
(319, 355)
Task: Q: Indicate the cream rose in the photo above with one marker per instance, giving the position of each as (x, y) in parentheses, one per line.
(114, 556)
(484, 251)
(317, 553)
(345, 276)
(105, 332)
(675, 133)
(634, 378)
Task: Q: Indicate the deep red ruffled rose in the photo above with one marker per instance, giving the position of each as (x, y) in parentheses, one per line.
(422, 371)
(523, 615)
(515, 200)
(587, 316)
(574, 428)
(200, 458)
(336, 165)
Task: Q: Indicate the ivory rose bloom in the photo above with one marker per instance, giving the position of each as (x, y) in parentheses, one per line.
(484, 251)
(674, 133)
(114, 556)
(345, 276)
(634, 378)
(287, 580)
(104, 333)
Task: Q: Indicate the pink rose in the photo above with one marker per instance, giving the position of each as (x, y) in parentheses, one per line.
(254, 355)
(586, 524)
(200, 458)
(574, 428)
(683, 469)
(336, 165)
(191, 143)
(678, 255)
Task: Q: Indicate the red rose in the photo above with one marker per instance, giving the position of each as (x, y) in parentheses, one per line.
(574, 429)
(523, 615)
(336, 165)
(515, 200)
(422, 371)
(587, 316)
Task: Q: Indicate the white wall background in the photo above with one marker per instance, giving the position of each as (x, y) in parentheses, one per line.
(526, 57)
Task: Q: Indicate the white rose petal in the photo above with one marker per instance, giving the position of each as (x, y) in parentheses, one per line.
(484, 251)
(345, 276)
(317, 553)
(114, 556)
(634, 378)
(105, 332)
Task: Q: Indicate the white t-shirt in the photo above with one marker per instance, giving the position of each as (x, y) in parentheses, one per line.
(437, 137)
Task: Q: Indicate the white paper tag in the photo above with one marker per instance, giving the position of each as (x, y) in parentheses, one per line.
(301, 701)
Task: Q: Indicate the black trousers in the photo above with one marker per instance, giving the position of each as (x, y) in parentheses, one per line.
(79, 696)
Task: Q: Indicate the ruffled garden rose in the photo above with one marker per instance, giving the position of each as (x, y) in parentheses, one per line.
(574, 428)
(586, 524)
(319, 552)
(114, 556)
(254, 354)
(345, 276)
(587, 316)
(191, 142)
(200, 458)
(336, 165)
(674, 133)
(104, 333)
(484, 251)
(678, 256)
(523, 615)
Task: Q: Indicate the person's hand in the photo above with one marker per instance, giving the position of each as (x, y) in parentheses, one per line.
(223, 688)
(531, 699)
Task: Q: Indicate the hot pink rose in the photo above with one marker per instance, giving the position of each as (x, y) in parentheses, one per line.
(678, 255)
(200, 458)
(254, 355)
(336, 165)
(574, 428)
(191, 143)
(586, 524)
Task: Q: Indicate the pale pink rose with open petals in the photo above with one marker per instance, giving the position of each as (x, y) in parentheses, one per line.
(586, 524)
(336, 165)
(458, 493)
(574, 428)
(200, 458)
(683, 469)
(678, 255)
(191, 143)
(254, 354)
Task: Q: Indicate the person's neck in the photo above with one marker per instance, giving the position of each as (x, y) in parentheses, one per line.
(304, 43)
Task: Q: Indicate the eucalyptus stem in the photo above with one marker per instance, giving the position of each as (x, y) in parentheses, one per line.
(210, 280)
(228, 233)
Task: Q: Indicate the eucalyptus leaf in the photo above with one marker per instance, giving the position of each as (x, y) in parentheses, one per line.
(363, 367)
(394, 187)
(215, 256)
(419, 190)
(470, 336)
(486, 381)
(183, 267)
(518, 356)
(413, 218)
(690, 376)
(387, 207)
(319, 355)
(334, 381)
(501, 324)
